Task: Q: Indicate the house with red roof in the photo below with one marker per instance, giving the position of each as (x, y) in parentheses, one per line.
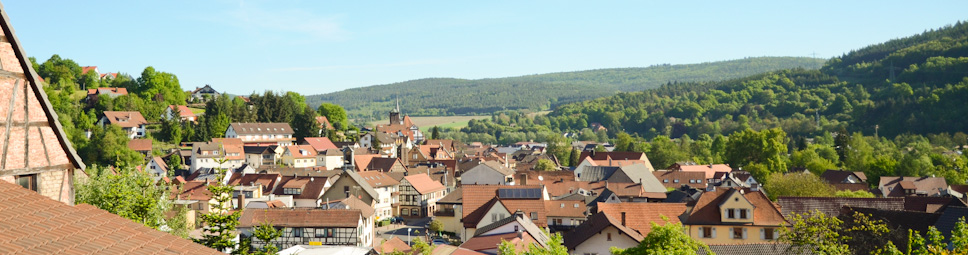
(184, 113)
(516, 228)
(599, 234)
(733, 216)
(304, 226)
(95, 93)
(419, 194)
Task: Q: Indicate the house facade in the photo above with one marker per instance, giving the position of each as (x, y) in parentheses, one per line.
(734, 216)
(131, 122)
(419, 195)
(261, 134)
(387, 191)
(299, 156)
(223, 153)
(309, 226)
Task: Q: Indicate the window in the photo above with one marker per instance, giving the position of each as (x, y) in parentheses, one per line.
(742, 214)
(675, 181)
(692, 181)
(297, 232)
(28, 181)
(665, 180)
(608, 236)
(730, 213)
(739, 233)
(291, 191)
(767, 233)
(405, 212)
(707, 232)
(415, 212)
(515, 228)
(534, 215)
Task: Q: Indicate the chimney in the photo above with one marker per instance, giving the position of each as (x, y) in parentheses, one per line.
(623, 218)
(241, 200)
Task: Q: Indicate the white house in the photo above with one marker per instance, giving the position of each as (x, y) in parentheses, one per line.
(184, 113)
(131, 122)
(599, 234)
(226, 153)
(385, 187)
(157, 168)
(261, 134)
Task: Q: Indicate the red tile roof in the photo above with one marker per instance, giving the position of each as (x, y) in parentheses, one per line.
(301, 151)
(475, 196)
(33, 224)
(312, 186)
(183, 111)
(324, 122)
(140, 144)
(193, 190)
(561, 208)
(480, 243)
(320, 143)
(709, 170)
(640, 216)
(301, 217)
(707, 211)
(116, 91)
(423, 184)
(378, 179)
(85, 69)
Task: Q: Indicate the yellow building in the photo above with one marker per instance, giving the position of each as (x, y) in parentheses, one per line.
(733, 216)
(299, 156)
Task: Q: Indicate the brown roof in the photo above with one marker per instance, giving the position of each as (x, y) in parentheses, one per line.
(611, 155)
(423, 184)
(378, 179)
(140, 144)
(693, 179)
(261, 128)
(32, 223)
(394, 244)
(363, 160)
(831, 206)
(352, 202)
(593, 226)
(893, 186)
(640, 216)
(320, 143)
(161, 163)
(268, 181)
(194, 190)
(480, 243)
(851, 186)
(125, 119)
(840, 176)
(383, 164)
(707, 211)
(312, 186)
(560, 208)
(300, 217)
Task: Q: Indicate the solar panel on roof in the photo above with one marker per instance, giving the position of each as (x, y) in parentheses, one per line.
(519, 193)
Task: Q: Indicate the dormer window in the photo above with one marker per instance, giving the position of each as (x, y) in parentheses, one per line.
(291, 191)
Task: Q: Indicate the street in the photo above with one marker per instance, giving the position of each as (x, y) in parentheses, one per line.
(400, 230)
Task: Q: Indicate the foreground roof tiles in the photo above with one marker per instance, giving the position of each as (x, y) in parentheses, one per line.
(31, 223)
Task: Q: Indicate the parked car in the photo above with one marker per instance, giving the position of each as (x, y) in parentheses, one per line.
(440, 241)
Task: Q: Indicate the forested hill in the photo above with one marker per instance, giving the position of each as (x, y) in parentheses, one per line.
(925, 93)
(446, 96)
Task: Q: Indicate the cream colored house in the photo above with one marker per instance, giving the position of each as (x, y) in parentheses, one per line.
(600, 233)
(734, 216)
(299, 156)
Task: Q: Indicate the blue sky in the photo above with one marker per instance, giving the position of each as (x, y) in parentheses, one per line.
(315, 47)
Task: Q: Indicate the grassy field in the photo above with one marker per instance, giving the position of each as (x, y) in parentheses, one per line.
(425, 123)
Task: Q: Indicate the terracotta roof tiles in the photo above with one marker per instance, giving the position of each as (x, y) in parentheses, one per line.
(640, 216)
(423, 184)
(32, 223)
